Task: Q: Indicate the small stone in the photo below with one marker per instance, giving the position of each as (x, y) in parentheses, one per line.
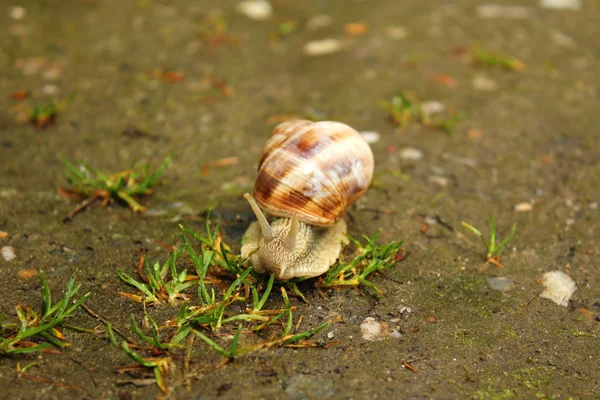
(561, 4)
(322, 47)
(18, 13)
(330, 335)
(488, 11)
(370, 328)
(319, 21)
(370, 136)
(432, 107)
(8, 253)
(523, 207)
(404, 309)
(50, 90)
(397, 32)
(560, 39)
(410, 154)
(593, 205)
(439, 180)
(481, 82)
(559, 287)
(500, 283)
(258, 10)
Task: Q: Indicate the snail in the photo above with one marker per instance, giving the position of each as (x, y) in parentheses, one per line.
(309, 173)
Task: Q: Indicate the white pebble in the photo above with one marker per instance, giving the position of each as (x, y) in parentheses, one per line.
(18, 13)
(561, 4)
(523, 207)
(481, 82)
(410, 154)
(561, 39)
(8, 253)
(370, 136)
(50, 89)
(404, 309)
(319, 21)
(370, 328)
(559, 287)
(487, 11)
(258, 10)
(439, 180)
(322, 47)
(330, 335)
(397, 32)
(432, 107)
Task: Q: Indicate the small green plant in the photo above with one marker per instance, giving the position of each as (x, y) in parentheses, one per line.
(403, 110)
(225, 302)
(91, 184)
(497, 60)
(160, 365)
(40, 325)
(155, 289)
(43, 116)
(283, 30)
(371, 258)
(494, 250)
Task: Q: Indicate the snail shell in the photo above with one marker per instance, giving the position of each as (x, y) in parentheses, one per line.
(308, 174)
(313, 170)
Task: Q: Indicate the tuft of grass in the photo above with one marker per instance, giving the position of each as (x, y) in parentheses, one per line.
(19, 338)
(283, 30)
(156, 289)
(371, 259)
(226, 304)
(91, 184)
(43, 116)
(493, 248)
(403, 110)
(214, 31)
(497, 60)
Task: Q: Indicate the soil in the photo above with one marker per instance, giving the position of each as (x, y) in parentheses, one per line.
(149, 78)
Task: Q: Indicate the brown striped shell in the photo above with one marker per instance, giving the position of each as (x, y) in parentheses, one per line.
(313, 170)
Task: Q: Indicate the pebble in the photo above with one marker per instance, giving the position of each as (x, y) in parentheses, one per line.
(50, 90)
(500, 283)
(330, 335)
(370, 136)
(322, 47)
(439, 180)
(370, 328)
(410, 154)
(561, 4)
(432, 107)
(8, 253)
(373, 330)
(397, 32)
(319, 21)
(488, 11)
(561, 39)
(523, 207)
(559, 287)
(483, 83)
(18, 13)
(258, 10)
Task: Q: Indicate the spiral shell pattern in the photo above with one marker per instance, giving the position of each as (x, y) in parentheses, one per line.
(313, 170)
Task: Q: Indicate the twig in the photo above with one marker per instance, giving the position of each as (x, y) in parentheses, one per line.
(82, 206)
(529, 301)
(105, 321)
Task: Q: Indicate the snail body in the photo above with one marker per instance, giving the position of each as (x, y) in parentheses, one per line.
(308, 175)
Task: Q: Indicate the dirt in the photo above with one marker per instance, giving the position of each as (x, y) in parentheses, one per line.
(532, 137)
